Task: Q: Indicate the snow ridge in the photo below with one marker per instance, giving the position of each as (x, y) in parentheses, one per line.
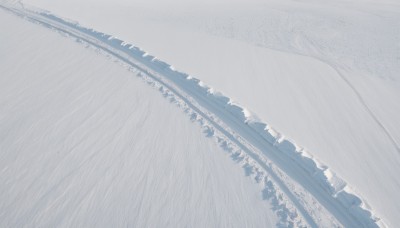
(290, 177)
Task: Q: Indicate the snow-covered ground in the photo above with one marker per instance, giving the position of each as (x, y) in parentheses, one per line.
(86, 143)
(325, 74)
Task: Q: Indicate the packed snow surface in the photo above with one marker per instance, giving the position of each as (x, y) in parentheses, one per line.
(86, 143)
(323, 73)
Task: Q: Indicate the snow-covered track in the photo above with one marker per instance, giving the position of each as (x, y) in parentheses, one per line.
(311, 194)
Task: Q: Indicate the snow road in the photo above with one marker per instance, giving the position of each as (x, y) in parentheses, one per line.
(285, 61)
(305, 192)
(86, 143)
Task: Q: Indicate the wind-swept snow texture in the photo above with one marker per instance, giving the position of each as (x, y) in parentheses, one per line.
(323, 73)
(87, 143)
(302, 191)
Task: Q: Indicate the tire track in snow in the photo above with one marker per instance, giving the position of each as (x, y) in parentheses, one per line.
(336, 67)
(223, 117)
(285, 217)
(369, 110)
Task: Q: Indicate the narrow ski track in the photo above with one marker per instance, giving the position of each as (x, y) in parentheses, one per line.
(300, 189)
